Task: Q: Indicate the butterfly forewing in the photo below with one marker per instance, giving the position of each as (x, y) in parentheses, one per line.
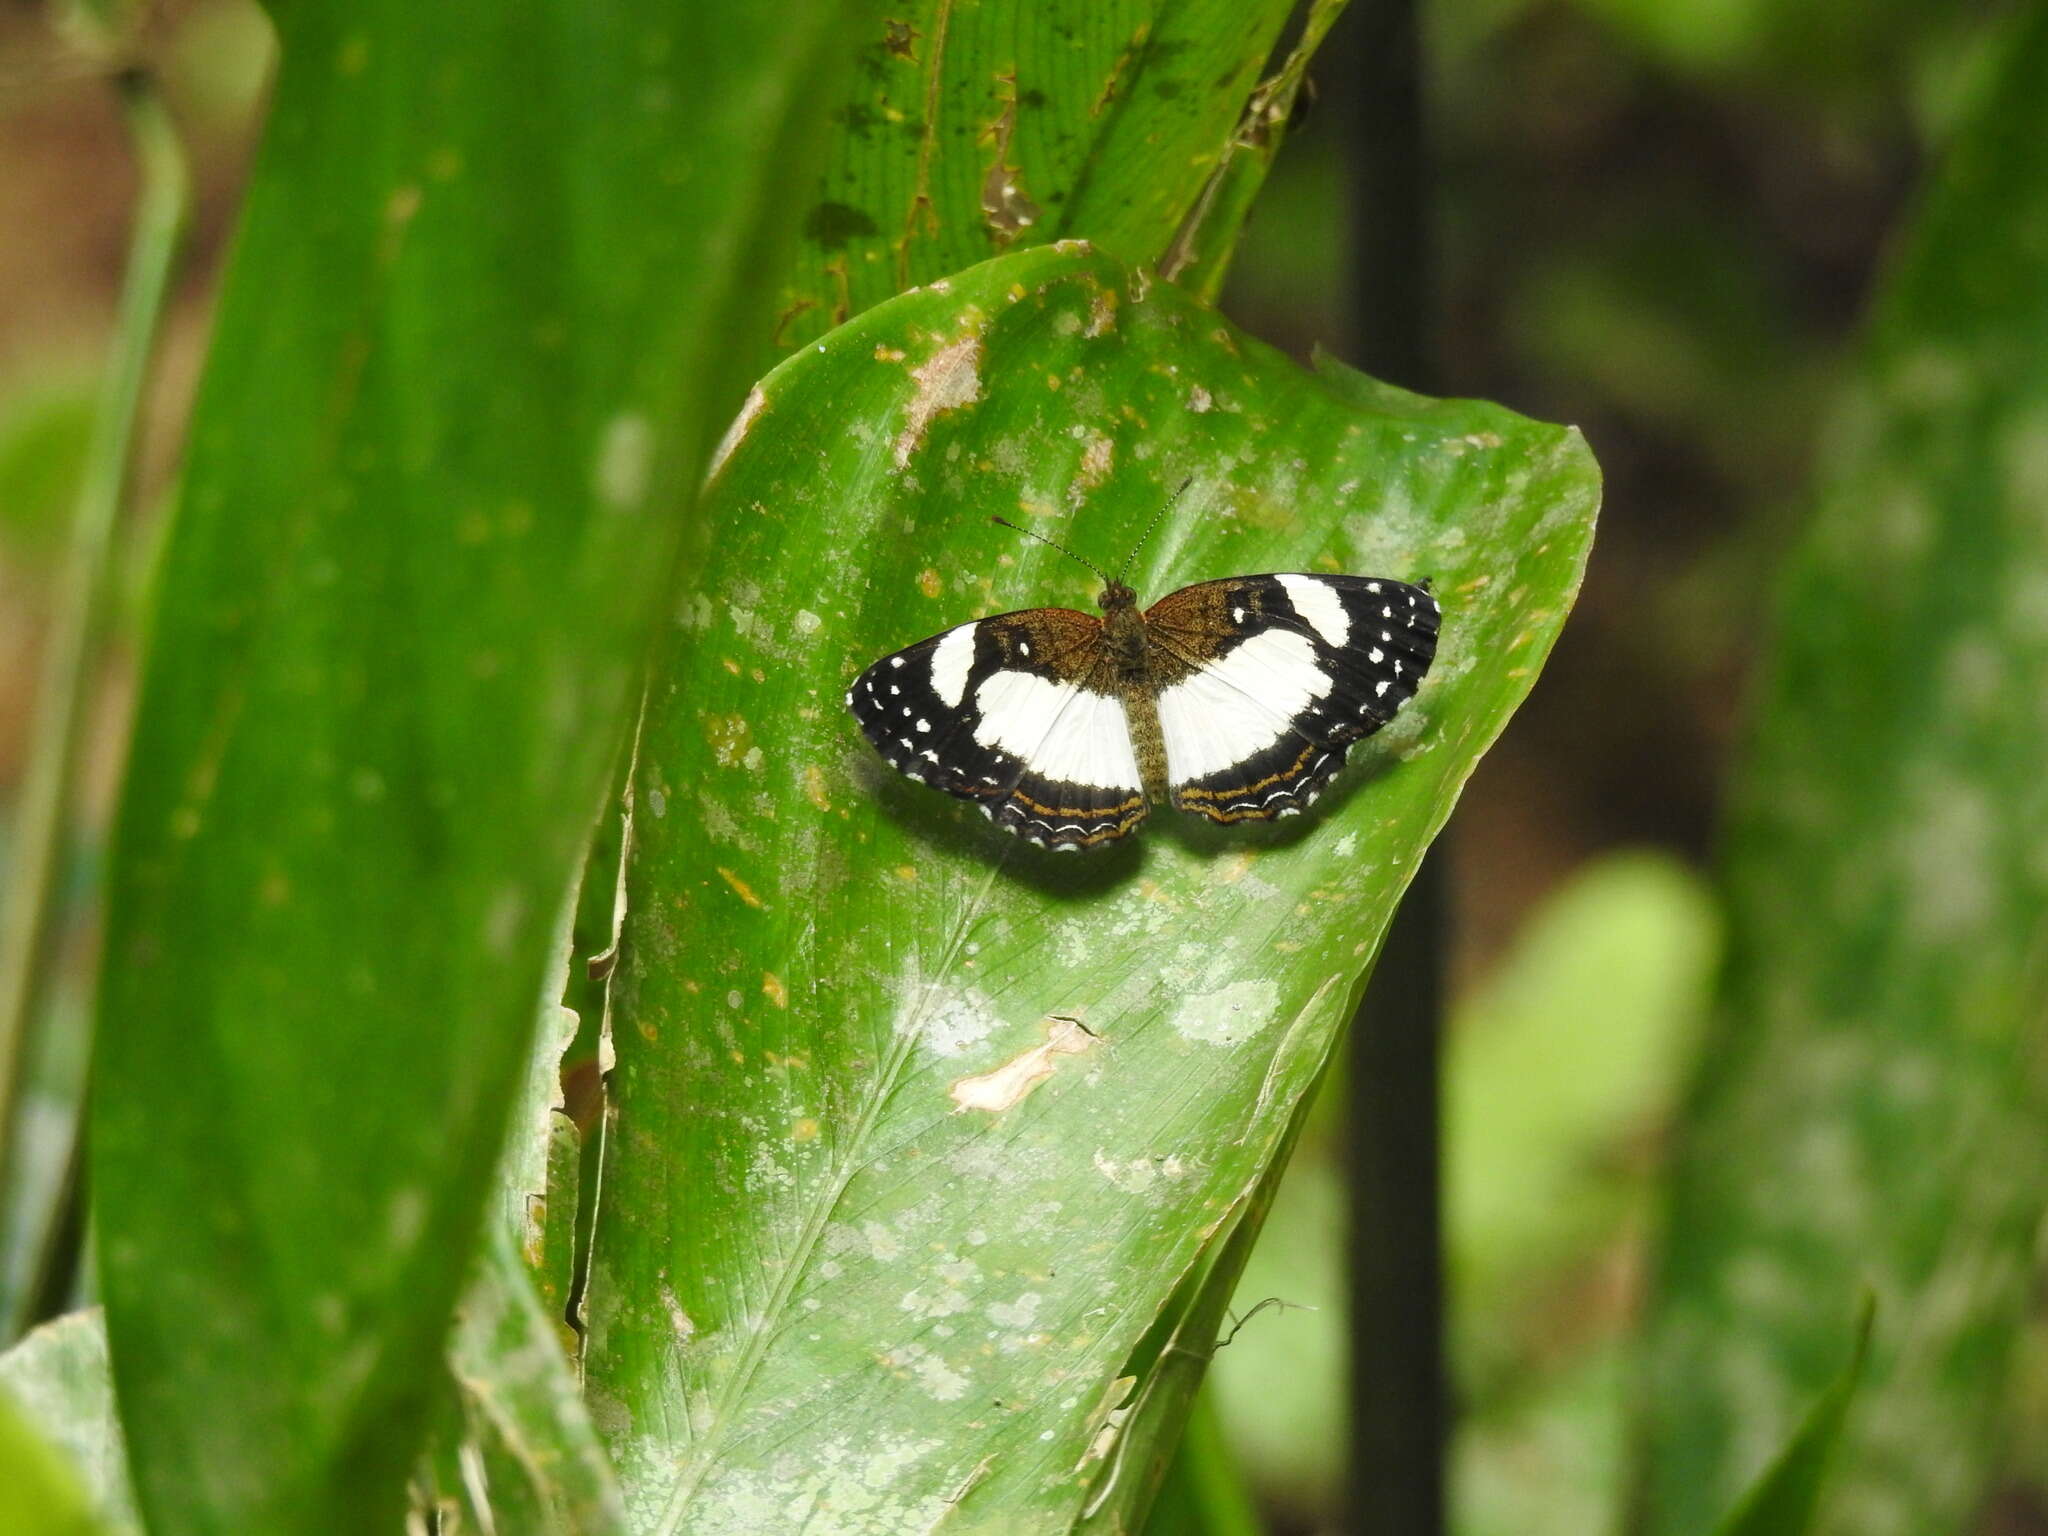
(1016, 713)
(1265, 682)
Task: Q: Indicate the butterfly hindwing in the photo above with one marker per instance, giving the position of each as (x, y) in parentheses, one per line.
(1017, 714)
(1267, 681)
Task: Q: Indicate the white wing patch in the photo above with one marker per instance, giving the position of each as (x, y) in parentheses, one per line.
(1237, 707)
(1066, 734)
(1318, 603)
(952, 659)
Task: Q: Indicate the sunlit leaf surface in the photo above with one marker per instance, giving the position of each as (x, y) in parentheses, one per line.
(822, 1288)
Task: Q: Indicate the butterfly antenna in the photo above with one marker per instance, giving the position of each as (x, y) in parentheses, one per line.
(1052, 543)
(1145, 537)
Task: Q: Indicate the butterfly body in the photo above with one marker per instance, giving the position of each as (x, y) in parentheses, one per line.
(1232, 700)
(1132, 662)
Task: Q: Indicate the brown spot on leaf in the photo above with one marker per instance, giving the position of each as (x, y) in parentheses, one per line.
(1009, 1084)
(947, 380)
(744, 891)
(1003, 203)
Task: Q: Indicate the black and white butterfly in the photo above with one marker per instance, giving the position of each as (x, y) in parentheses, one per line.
(1236, 700)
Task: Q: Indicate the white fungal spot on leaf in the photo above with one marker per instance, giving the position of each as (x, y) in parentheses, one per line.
(947, 1020)
(1228, 1015)
(949, 379)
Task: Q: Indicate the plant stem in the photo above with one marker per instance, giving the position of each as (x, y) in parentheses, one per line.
(74, 646)
(1399, 1417)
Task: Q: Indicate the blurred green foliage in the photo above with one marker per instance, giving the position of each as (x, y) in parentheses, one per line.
(45, 426)
(1561, 1067)
(1871, 1107)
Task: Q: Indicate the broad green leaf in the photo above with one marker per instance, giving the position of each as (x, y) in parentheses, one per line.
(56, 1378)
(967, 129)
(1872, 1107)
(473, 347)
(1787, 1498)
(885, 1237)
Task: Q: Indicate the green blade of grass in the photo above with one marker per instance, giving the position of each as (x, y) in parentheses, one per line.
(818, 1279)
(473, 346)
(1872, 1107)
(1787, 1498)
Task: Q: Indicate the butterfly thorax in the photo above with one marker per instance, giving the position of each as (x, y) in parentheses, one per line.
(1128, 650)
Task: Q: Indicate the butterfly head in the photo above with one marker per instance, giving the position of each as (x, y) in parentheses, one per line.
(1116, 596)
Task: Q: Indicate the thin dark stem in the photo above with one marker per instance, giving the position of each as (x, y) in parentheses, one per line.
(1399, 1408)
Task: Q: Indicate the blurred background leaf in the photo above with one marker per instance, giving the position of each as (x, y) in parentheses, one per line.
(1787, 1498)
(1870, 1108)
(1561, 1067)
(457, 401)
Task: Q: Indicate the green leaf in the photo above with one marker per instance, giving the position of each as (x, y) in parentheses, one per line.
(1872, 1107)
(56, 1378)
(1576, 1045)
(540, 1465)
(820, 1283)
(966, 129)
(1204, 1494)
(43, 1498)
(1199, 257)
(473, 347)
(1787, 1498)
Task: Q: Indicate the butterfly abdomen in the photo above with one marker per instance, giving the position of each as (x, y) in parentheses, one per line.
(1129, 653)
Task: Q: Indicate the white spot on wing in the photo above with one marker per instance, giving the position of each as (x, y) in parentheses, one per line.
(1240, 705)
(1318, 603)
(1060, 732)
(952, 658)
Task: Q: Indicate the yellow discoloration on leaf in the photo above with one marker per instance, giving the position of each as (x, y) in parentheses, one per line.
(744, 891)
(772, 986)
(928, 582)
(814, 786)
(728, 735)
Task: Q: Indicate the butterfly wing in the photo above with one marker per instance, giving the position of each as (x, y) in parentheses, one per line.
(1017, 714)
(1268, 681)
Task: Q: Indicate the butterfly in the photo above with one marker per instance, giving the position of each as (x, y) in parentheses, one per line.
(1233, 700)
